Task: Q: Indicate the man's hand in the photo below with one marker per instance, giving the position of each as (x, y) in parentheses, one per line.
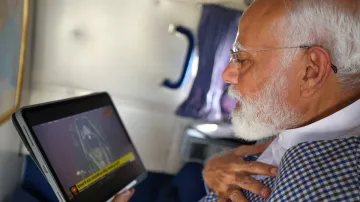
(226, 174)
(124, 197)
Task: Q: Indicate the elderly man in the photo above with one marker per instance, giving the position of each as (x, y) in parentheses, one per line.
(295, 71)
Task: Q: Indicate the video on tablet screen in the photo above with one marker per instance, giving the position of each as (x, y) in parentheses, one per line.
(85, 148)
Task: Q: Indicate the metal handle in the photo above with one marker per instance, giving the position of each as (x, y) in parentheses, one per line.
(187, 64)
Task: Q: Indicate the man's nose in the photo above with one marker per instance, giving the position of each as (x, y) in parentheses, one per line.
(230, 74)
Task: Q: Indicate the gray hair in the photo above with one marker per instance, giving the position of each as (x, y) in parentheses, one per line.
(332, 24)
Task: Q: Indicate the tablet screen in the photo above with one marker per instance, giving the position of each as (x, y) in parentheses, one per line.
(87, 151)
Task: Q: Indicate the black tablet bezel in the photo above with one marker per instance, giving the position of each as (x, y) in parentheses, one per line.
(48, 112)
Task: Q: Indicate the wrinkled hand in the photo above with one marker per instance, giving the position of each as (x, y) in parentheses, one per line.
(226, 174)
(124, 197)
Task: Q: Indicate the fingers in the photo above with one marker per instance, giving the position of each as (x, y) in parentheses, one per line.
(236, 195)
(252, 185)
(251, 150)
(124, 197)
(259, 168)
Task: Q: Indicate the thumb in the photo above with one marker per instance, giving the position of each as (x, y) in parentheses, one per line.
(124, 197)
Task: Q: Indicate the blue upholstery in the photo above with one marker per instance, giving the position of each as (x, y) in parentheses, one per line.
(35, 183)
(22, 195)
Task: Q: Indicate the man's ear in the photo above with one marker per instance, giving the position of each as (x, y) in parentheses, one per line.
(316, 71)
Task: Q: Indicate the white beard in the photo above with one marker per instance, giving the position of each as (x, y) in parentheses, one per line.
(267, 114)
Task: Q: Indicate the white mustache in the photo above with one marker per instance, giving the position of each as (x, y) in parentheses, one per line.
(235, 94)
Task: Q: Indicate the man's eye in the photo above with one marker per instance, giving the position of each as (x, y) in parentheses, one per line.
(241, 61)
(236, 59)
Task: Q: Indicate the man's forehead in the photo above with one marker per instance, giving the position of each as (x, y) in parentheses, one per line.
(259, 24)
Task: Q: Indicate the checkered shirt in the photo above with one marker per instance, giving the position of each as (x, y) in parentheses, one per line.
(314, 171)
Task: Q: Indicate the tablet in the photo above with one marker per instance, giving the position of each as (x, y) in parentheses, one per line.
(81, 146)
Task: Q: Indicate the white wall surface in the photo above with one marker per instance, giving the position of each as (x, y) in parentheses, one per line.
(123, 47)
(10, 161)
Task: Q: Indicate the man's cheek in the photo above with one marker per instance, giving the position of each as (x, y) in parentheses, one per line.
(248, 86)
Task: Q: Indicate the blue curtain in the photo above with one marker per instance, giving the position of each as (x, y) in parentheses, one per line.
(216, 33)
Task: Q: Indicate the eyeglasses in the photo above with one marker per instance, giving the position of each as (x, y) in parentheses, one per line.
(235, 59)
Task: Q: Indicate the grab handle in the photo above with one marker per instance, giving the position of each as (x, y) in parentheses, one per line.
(187, 63)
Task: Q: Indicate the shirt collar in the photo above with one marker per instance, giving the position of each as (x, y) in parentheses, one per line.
(341, 124)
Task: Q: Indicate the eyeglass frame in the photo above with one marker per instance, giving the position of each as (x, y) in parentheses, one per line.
(233, 53)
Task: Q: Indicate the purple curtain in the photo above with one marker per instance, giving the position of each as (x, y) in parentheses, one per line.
(207, 99)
